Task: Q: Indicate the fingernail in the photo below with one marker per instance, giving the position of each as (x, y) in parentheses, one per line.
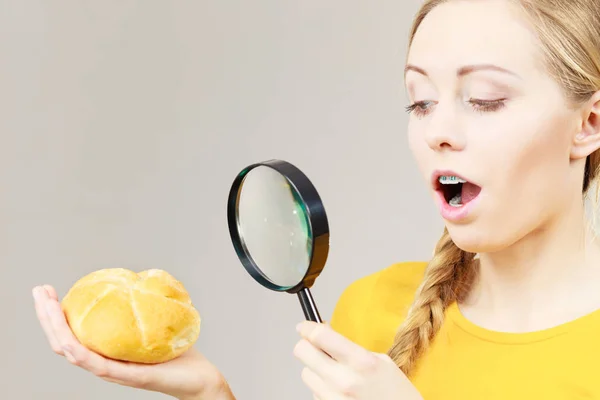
(299, 327)
(36, 292)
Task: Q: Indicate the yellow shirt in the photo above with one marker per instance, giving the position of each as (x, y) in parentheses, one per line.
(467, 362)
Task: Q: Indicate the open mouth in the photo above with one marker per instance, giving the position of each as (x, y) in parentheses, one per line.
(457, 191)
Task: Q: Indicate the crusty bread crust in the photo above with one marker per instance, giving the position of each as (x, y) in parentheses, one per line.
(144, 318)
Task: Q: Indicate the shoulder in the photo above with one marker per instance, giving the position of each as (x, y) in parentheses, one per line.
(371, 308)
(399, 279)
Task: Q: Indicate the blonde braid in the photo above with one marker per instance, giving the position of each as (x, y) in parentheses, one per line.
(447, 279)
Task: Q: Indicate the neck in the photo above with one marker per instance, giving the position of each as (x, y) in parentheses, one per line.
(547, 278)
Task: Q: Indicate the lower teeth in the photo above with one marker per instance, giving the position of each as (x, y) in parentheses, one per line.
(456, 201)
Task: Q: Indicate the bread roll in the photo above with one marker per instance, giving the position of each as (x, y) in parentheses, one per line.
(143, 318)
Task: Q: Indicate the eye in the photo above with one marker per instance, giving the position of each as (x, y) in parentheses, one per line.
(420, 108)
(423, 108)
(487, 105)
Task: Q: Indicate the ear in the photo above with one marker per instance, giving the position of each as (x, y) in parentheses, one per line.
(587, 140)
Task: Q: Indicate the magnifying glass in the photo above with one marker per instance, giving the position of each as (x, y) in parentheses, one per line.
(279, 229)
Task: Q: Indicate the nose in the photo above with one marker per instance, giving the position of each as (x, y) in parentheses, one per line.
(444, 132)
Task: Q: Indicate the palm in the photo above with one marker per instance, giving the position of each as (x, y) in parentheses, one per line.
(184, 376)
(188, 374)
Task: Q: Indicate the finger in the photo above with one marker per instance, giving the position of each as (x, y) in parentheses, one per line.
(337, 346)
(320, 363)
(51, 292)
(40, 299)
(59, 324)
(73, 350)
(317, 386)
(77, 354)
(109, 370)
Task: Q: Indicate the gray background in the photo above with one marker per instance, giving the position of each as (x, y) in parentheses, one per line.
(122, 126)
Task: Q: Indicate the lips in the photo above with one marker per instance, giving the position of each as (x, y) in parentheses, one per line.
(456, 194)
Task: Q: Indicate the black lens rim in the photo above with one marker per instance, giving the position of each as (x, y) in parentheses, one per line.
(318, 224)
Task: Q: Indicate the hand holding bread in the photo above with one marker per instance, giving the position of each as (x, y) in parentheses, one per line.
(136, 330)
(144, 318)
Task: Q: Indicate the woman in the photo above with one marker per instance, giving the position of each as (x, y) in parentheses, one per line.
(505, 126)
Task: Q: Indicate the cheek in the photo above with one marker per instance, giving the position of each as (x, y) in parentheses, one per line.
(520, 165)
(525, 162)
(529, 154)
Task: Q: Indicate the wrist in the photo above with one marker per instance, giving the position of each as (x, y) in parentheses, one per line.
(219, 390)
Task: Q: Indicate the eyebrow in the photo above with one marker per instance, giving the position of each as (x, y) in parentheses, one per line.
(465, 70)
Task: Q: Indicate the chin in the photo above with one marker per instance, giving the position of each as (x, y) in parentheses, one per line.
(476, 239)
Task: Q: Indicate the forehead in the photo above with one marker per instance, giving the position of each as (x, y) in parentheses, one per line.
(463, 32)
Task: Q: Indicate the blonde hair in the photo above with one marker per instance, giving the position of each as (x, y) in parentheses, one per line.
(569, 33)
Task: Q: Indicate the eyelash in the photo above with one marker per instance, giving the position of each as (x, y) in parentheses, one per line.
(418, 108)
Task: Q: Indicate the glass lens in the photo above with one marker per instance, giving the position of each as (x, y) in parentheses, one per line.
(274, 226)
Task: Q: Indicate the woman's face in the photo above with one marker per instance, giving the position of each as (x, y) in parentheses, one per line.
(485, 111)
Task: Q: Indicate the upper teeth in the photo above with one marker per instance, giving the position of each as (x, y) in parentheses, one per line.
(450, 180)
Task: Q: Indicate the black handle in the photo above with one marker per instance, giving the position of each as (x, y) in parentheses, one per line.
(308, 306)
